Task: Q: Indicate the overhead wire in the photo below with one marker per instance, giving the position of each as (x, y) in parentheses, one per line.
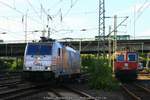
(45, 12)
(67, 12)
(12, 21)
(143, 8)
(18, 11)
(5, 4)
(11, 7)
(72, 5)
(48, 15)
(33, 8)
(59, 12)
(85, 13)
(9, 32)
(55, 5)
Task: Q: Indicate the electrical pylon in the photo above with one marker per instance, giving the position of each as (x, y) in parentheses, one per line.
(101, 27)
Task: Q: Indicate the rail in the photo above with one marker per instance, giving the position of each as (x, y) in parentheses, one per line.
(136, 91)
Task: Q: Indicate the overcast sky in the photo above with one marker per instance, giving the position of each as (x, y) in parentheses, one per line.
(68, 17)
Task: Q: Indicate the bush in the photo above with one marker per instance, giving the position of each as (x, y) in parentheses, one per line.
(11, 64)
(100, 74)
(146, 70)
(86, 62)
(4, 64)
(14, 65)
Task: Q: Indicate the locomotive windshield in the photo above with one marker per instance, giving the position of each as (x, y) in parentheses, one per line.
(132, 57)
(39, 49)
(120, 57)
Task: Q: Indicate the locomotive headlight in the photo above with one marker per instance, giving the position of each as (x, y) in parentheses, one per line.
(126, 64)
(49, 68)
(27, 68)
(38, 58)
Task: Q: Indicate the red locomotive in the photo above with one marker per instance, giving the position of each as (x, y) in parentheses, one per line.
(126, 65)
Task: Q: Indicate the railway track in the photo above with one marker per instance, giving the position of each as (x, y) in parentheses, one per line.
(6, 76)
(136, 91)
(68, 93)
(60, 93)
(21, 90)
(9, 78)
(12, 88)
(81, 93)
(10, 82)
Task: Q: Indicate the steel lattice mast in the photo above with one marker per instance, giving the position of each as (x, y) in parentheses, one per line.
(101, 27)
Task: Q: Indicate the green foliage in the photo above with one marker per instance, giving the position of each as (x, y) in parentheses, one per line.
(16, 66)
(99, 71)
(11, 64)
(4, 64)
(146, 70)
(143, 58)
(86, 62)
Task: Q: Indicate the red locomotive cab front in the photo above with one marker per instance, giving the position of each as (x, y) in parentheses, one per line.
(126, 64)
(126, 61)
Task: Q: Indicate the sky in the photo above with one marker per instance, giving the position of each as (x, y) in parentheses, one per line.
(68, 17)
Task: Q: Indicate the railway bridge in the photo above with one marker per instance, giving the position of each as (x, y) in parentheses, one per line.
(89, 46)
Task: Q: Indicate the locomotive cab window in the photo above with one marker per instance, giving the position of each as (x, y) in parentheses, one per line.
(38, 49)
(32, 49)
(132, 57)
(45, 49)
(120, 57)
